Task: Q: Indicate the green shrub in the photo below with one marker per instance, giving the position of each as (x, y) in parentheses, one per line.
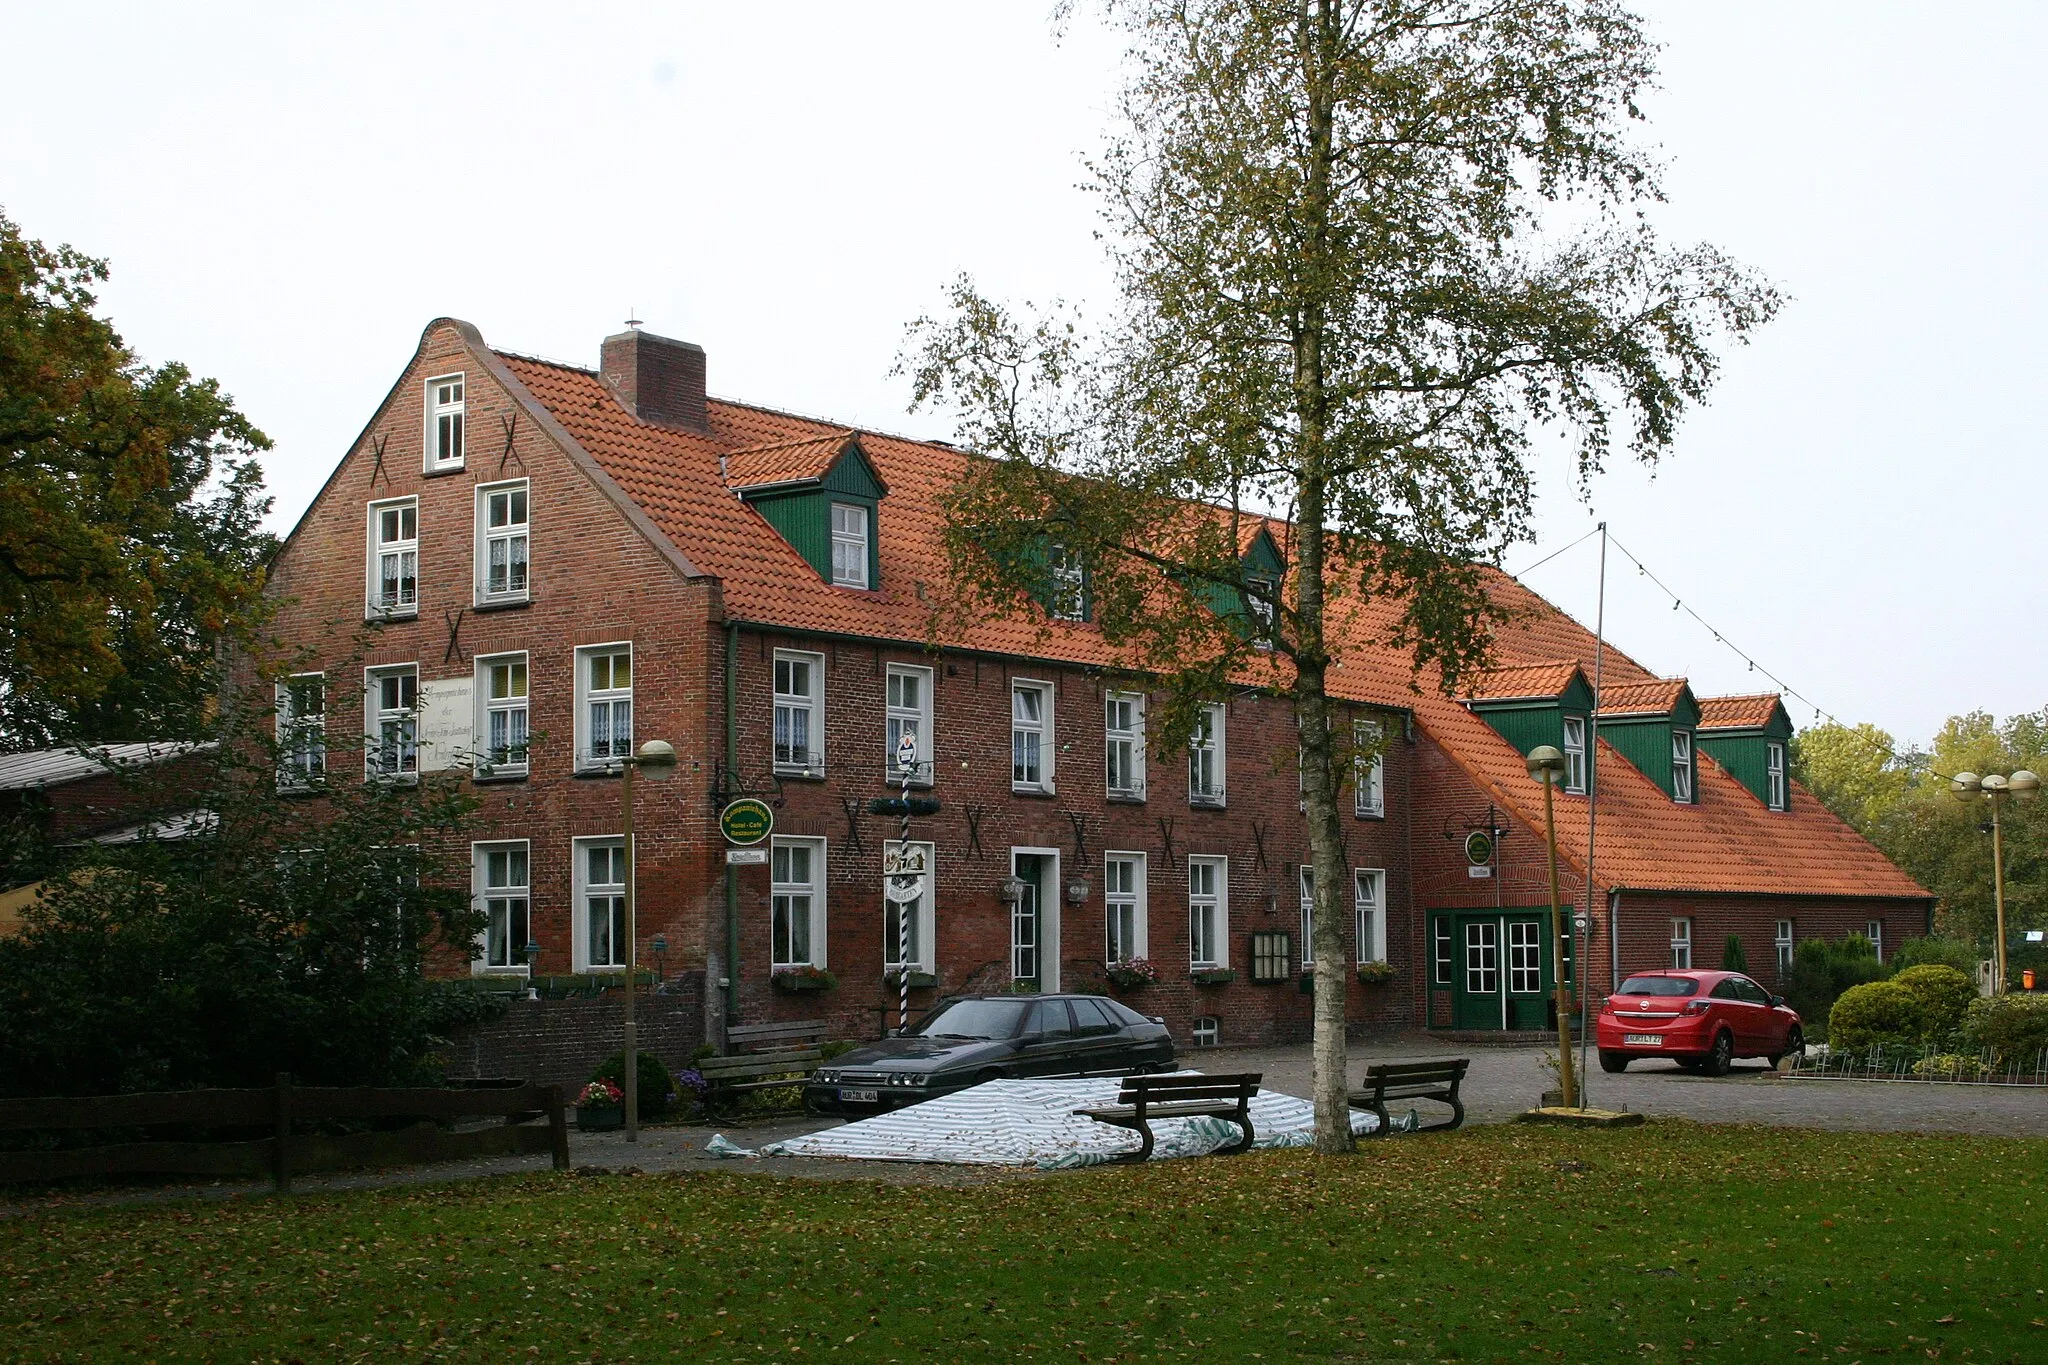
(1944, 995)
(1732, 959)
(1949, 952)
(836, 1048)
(2013, 1027)
(1875, 1014)
(1821, 970)
(657, 1087)
(1948, 1066)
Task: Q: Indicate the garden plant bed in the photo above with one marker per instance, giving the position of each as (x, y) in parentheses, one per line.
(1673, 1241)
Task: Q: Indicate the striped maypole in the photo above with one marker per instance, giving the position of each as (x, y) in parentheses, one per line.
(906, 764)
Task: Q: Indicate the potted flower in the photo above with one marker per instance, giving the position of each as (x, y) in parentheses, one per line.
(797, 980)
(600, 1108)
(919, 980)
(690, 1082)
(1133, 973)
(1214, 976)
(1375, 973)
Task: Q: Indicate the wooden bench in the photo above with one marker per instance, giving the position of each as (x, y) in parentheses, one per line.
(728, 1077)
(1413, 1081)
(1144, 1098)
(772, 1036)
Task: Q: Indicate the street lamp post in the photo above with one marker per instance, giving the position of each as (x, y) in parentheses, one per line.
(1546, 765)
(1995, 791)
(657, 758)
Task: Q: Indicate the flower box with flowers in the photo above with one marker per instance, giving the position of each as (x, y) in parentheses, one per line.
(600, 1108)
(797, 980)
(1133, 973)
(1375, 973)
(919, 981)
(1214, 976)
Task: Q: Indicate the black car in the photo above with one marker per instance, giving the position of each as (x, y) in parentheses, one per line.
(977, 1038)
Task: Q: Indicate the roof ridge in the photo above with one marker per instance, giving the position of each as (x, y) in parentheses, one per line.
(847, 433)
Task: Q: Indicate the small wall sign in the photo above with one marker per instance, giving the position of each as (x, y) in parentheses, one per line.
(739, 857)
(746, 821)
(1479, 853)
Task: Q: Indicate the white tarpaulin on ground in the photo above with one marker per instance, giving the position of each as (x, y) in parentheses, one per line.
(1032, 1123)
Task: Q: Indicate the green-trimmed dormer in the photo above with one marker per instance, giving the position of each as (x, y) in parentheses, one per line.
(821, 494)
(1751, 737)
(1264, 569)
(1530, 705)
(1653, 726)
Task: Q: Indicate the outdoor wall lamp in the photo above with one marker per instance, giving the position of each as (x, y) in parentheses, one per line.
(1077, 893)
(1010, 890)
(1995, 791)
(532, 956)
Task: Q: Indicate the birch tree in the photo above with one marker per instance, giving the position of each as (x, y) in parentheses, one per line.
(1369, 253)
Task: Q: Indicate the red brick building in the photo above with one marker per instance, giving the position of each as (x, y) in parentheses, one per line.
(521, 569)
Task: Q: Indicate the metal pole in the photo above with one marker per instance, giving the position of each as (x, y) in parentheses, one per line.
(1566, 1081)
(1585, 964)
(632, 1077)
(904, 910)
(1998, 889)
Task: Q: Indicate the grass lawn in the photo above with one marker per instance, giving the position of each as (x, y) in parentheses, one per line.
(1670, 1243)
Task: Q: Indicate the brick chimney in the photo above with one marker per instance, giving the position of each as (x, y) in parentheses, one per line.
(657, 378)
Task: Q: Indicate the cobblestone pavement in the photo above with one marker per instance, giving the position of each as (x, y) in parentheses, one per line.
(1502, 1082)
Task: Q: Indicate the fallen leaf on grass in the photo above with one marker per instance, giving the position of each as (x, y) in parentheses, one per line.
(1948, 1321)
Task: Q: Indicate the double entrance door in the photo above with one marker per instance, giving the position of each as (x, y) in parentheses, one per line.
(1500, 973)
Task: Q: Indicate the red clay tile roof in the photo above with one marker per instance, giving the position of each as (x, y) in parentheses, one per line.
(1522, 681)
(1654, 698)
(1737, 713)
(1725, 842)
(800, 461)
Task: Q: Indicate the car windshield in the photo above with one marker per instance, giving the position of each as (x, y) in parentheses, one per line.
(1660, 985)
(976, 1019)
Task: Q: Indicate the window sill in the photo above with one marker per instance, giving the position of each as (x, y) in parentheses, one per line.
(392, 779)
(502, 603)
(805, 774)
(1125, 798)
(375, 617)
(503, 973)
(503, 772)
(441, 470)
(1037, 791)
(894, 782)
(598, 770)
(1207, 802)
(1380, 814)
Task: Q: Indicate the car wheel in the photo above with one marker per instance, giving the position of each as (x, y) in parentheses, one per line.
(1795, 1045)
(1716, 1063)
(1613, 1063)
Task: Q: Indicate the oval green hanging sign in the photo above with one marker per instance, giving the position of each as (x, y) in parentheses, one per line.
(746, 821)
(1479, 848)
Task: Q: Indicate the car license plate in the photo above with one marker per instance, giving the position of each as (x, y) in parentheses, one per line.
(1630, 1039)
(858, 1096)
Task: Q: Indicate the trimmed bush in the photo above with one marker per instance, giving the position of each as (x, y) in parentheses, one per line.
(1821, 970)
(2013, 1027)
(1875, 1014)
(1732, 959)
(1945, 996)
(657, 1087)
(1949, 952)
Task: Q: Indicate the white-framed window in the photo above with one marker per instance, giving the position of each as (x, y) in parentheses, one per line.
(909, 704)
(1208, 911)
(1874, 931)
(1369, 770)
(1776, 793)
(445, 408)
(849, 545)
(1525, 957)
(301, 731)
(1261, 603)
(392, 707)
(394, 559)
(1575, 754)
(1308, 917)
(1123, 744)
(796, 910)
(1068, 584)
(501, 681)
(501, 542)
(503, 874)
(1440, 951)
(1206, 758)
(1681, 943)
(604, 705)
(799, 713)
(1123, 885)
(600, 904)
(1031, 736)
(909, 881)
(1782, 939)
(1369, 896)
(1681, 765)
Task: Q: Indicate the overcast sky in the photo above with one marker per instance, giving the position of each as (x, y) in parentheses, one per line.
(288, 194)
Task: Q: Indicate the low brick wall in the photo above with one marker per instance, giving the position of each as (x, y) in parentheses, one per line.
(550, 1042)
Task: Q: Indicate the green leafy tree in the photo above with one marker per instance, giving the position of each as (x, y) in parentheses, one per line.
(1348, 297)
(130, 503)
(1852, 770)
(1732, 958)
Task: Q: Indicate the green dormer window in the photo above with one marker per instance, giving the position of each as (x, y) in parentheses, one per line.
(849, 545)
(1681, 766)
(1651, 724)
(1530, 705)
(1575, 754)
(821, 495)
(1066, 585)
(1750, 737)
(1775, 790)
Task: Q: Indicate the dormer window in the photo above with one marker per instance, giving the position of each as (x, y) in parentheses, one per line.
(1575, 754)
(445, 408)
(1681, 766)
(1261, 597)
(1774, 775)
(1068, 599)
(849, 545)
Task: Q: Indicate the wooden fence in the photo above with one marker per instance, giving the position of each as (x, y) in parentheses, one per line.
(285, 1153)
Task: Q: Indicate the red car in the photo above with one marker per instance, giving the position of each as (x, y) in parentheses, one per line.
(1701, 1020)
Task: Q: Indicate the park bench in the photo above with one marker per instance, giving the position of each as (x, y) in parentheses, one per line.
(729, 1077)
(1145, 1098)
(1437, 1081)
(799, 1033)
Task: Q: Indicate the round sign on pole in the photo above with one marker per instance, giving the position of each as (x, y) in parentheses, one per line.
(1479, 847)
(746, 821)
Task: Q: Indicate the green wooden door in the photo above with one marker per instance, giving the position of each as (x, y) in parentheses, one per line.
(1500, 969)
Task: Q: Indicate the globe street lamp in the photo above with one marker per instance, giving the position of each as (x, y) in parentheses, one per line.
(657, 758)
(1995, 791)
(1546, 765)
